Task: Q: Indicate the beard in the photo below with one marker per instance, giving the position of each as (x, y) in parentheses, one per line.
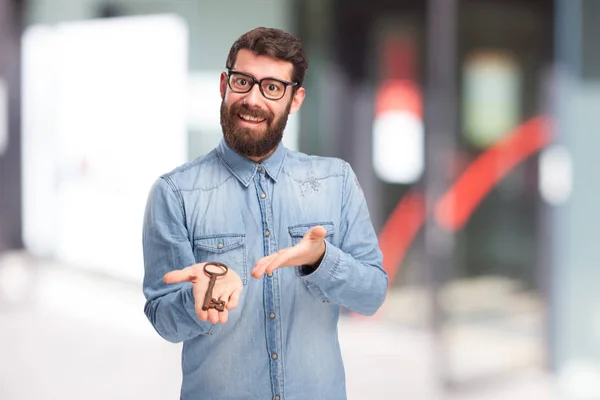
(247, 141)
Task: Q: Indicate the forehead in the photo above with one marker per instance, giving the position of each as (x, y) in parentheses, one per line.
(263, 66)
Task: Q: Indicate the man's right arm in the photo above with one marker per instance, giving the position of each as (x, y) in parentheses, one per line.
(170, 308)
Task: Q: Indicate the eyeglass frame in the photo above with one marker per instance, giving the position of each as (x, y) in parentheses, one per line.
(259, 83)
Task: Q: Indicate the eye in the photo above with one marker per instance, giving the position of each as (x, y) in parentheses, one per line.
(273, 88)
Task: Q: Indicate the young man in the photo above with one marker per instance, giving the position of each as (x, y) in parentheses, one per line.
(293, 229)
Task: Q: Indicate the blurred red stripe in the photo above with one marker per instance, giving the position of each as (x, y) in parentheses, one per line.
(400, 230)
(454, 209)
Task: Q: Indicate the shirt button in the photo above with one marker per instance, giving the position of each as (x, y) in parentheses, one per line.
(259, 168)
(274, 356)
(276, 397)
(267, 233)
(220, 246)
(262, 195)
(272, 315)
(269, 274)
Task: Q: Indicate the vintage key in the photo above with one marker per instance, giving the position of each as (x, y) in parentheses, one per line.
(213, 273)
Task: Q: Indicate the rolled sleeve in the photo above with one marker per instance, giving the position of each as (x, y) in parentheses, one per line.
(352, 275)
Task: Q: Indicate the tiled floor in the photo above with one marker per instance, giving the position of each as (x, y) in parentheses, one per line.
(66, 334)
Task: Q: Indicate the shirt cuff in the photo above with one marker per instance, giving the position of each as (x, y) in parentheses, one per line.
(326, 269)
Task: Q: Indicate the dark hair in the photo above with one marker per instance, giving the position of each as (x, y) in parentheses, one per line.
(273, 43)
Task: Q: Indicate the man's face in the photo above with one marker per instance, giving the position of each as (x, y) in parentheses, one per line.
(252, 124)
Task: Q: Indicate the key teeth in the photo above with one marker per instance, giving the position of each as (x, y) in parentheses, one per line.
(218, 305)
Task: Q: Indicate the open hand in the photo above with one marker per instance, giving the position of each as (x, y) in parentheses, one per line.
(307, 252)
(227, 287)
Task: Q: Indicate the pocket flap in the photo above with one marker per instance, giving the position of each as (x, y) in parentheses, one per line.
(219, 243)
(301, 229)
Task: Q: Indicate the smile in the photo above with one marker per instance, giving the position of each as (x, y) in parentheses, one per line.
(250, 118)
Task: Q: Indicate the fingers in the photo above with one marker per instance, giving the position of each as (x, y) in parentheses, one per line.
(270, 263)
(202, 315)
(183, 275)
(213, 316)
(258, 270)
(279, 261)
(233, 300)
(224, 315)
(259, 267)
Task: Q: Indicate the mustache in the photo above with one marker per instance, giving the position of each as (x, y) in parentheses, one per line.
(253, 112)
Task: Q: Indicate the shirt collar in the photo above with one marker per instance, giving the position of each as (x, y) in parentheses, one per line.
(244, 169)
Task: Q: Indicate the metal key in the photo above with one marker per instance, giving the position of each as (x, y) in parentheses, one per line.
(209, 301)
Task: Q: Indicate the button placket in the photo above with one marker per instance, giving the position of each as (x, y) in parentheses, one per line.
(273, 333)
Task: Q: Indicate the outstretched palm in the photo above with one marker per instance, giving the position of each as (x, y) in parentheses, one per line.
(307, 252)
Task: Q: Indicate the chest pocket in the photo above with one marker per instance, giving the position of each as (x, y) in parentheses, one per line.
(297, 232)
(229, 249)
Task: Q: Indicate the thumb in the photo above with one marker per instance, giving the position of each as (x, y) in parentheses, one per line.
(185, 275)
(316, 233)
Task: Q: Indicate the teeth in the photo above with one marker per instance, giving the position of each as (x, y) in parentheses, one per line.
(249, 118)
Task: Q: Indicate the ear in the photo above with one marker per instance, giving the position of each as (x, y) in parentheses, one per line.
(297, 100)
(223, 84)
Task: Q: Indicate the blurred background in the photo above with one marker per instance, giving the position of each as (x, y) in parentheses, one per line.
(473, 127)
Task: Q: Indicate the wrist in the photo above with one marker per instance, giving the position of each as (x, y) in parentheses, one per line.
(307, 269)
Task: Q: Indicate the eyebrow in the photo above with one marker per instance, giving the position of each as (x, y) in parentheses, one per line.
(267, 77)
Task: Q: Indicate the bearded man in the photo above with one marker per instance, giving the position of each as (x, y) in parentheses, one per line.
(287, 236)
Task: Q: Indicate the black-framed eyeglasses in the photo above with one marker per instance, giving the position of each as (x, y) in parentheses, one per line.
(271, 88)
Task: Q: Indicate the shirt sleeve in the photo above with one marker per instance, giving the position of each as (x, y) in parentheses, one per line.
(166, 247)
(351, 275)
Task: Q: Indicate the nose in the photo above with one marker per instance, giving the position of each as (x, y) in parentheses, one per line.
(254, 97)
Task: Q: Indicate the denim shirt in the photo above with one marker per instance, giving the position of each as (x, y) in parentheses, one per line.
(281, 341)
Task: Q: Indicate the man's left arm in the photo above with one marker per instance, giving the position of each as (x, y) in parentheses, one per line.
(352, 275)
